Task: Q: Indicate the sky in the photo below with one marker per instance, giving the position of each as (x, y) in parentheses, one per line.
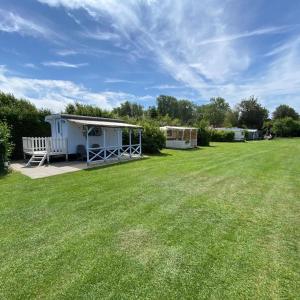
(104, 52)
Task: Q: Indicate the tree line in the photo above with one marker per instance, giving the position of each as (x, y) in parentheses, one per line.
(24, 119)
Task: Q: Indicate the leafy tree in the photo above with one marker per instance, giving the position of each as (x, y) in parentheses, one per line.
(132, 110)
(152, 112)
(86, 110)
(231, 118)
(286, 127)
(215, 112)
(186, 111)
(167, 105)
(284, 111)
(251, 113)
(183, 110)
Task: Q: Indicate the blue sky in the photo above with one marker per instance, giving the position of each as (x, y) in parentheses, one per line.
(103, 52)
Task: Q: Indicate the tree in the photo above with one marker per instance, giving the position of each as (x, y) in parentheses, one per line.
(231, 118)
(286, 127)
(128, 109)
(86, 110)
(284, 111)
(152, 112)
(167, 105)
(251, 113)
(215, 112)
(186, 111)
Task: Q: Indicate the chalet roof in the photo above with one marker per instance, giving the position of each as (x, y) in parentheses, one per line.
(79, 117)
(177, 127)
(103, 123)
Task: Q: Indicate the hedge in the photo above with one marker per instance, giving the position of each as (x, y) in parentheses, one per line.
(5, 146)
(221, 136)
(203, 137)
(153, 139)
(286, 127)
(23, 119)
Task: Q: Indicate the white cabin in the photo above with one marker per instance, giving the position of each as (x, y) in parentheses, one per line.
(180, 137)
(253, 134)
(94, 139)
(239, 133)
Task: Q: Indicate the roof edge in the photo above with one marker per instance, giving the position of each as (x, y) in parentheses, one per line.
(80, 117)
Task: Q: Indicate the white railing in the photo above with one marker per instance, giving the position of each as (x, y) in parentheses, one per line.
(104, 153)
(49, 145)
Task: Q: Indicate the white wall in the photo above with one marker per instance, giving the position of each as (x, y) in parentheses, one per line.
(76, 137)
(176, 144)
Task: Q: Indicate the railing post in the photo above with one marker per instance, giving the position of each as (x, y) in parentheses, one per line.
(104, 142)
(47, 144)
(140, 141)
(119, 142)
(87, 146)
(130, 142)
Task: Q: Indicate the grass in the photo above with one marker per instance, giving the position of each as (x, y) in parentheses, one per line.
(221, 222)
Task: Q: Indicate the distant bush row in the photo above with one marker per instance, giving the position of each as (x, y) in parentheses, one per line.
(285, 127)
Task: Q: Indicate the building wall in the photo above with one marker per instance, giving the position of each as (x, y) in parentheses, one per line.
(76, 135)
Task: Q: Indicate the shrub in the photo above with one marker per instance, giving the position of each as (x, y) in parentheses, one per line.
(5, 145)
(203, 137)
(286, 127)
(221, 136)
(153, 139)
(23, 119)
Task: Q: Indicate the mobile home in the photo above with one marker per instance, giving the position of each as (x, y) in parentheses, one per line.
(180, 137)
(94, 139)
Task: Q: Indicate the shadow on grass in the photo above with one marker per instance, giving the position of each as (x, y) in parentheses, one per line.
(114, 164)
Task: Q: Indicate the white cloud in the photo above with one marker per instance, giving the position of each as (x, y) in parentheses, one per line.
(56, 94)
(196, 43)
(30, 65)
(11, 22)
(63, 64)
(66, 52)
(101, 35)
(117, 80)
(257, 32)
(165, 87)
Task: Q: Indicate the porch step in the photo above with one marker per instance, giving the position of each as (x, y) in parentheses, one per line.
(37, 159)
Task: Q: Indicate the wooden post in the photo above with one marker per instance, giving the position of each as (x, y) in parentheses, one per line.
(104, 142)
(87, 146)
(47, 141)
(130, 143)
(140, 141)
(119, 142)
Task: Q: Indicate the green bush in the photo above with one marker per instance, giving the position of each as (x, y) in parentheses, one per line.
(5, 146)
(221, 136)
(153, 139)
(203, 134)
(23, 119)
(286, 127)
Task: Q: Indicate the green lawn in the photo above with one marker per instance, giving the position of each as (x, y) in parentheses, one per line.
(221, 222)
